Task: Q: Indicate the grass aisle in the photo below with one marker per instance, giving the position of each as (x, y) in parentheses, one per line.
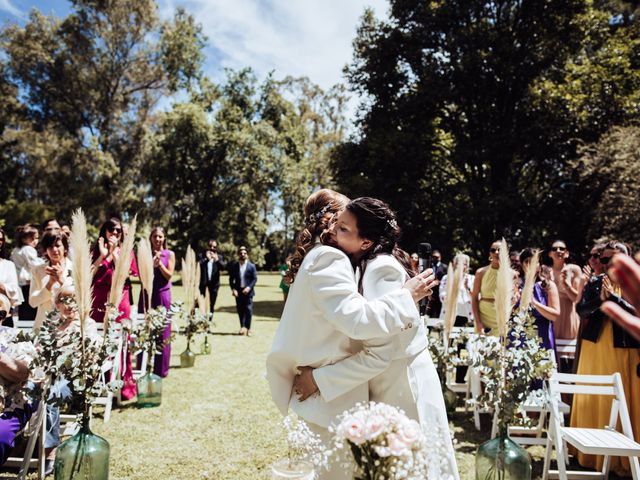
(217, 420)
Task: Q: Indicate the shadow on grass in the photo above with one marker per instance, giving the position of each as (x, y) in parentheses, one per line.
(271, 310)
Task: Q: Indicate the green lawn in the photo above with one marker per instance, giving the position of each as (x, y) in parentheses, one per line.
(217, 420)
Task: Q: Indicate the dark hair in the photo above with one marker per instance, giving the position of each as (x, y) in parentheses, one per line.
(50, 239)
(161, 230)
(377, 222)
(526, 254)
(318, 211)
(3, 248)
(46, 223)
(24, 233)
(110, 224)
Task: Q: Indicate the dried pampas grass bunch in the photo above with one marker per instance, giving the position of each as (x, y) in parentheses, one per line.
(123, 266)
(190, 278)
(454, 277)
(82, 271)
(530, 280)
(504, 290)
(145, 268)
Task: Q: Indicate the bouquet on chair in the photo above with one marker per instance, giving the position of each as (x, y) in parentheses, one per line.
(385, 443)
(147, 336)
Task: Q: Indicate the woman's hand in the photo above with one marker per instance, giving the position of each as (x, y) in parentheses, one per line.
(304, 384)
(421, 285)
(606, 290)
(104, 251)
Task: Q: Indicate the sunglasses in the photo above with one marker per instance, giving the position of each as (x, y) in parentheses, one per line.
(115, 230)
(558, 249)
(595, 255)
(494, 250)
(604, 260)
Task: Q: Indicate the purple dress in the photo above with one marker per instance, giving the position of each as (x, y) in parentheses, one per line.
(544, 326)
(161, 296)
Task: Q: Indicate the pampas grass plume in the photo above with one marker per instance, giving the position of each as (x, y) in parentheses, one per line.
(454, 277)
(123, 266)
(82, 271)
(529, 281)
(190, 277)
(145, 267)
(504, 290)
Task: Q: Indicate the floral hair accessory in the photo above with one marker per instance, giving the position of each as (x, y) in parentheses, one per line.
(315, 217)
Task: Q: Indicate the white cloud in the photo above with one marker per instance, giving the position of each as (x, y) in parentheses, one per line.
(7, 6)
(292, 37)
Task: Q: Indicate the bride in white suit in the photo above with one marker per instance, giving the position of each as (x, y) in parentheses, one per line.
(323, 318)
(368, 232)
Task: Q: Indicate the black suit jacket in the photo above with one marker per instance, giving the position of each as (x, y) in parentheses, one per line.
(212, 283)
(250, 277)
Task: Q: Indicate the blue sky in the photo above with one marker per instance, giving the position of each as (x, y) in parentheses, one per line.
(291, 37)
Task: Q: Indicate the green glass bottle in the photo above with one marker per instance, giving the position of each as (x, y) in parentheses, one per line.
(149, 390)
(85, 456)
(206, 346)
(187, 358)
(502, 459)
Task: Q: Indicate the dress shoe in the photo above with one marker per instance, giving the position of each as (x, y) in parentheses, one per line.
(249, 333)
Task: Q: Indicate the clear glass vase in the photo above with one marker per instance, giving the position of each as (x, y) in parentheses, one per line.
(85, 456)
(502, 459)
(283, 469)
(149, 390)
(187, 358)
(450, 398)
(205, 349)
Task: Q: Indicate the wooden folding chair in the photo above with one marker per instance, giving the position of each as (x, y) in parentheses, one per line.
(595, 441)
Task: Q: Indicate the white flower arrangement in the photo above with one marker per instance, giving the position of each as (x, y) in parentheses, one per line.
(303, 445)
(385, 444)
(509, 367)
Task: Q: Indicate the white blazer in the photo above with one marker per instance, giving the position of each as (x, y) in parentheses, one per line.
(382, 275)
(42, 298)
(323, 313)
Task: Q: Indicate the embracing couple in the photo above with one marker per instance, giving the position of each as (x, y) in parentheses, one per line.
(350, 336)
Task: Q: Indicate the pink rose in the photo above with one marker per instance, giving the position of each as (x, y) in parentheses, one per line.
(375, 426)
(355, 430)
(409, 432)
(396, 445)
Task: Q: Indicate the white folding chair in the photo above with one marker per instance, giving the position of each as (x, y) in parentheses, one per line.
(144, 360)
(111, 370)
(23, 324)
(594, 441)
(464, 387)
(475, 377)
(35, 431)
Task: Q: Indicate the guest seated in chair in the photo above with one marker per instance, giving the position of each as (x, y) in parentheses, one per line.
(15, 358)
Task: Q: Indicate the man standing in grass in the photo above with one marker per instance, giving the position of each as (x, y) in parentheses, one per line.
(210, 267)
(242, 278)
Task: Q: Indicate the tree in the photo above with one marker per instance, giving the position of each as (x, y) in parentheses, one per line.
(86, 86)
(234, 159)
(608, 172)
(473, 111)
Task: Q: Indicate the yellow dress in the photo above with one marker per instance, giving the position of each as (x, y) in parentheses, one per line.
(589, 411)
(488, 315)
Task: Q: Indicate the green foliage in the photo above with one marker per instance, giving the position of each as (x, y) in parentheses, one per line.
(484, 105)
(77, 131)
(241, 156)
(608, 172)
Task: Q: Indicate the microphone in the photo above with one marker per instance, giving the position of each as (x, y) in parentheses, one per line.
(424, 262)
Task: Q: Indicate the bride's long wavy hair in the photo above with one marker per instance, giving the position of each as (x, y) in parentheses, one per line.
(319, 209)
(377, 222)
